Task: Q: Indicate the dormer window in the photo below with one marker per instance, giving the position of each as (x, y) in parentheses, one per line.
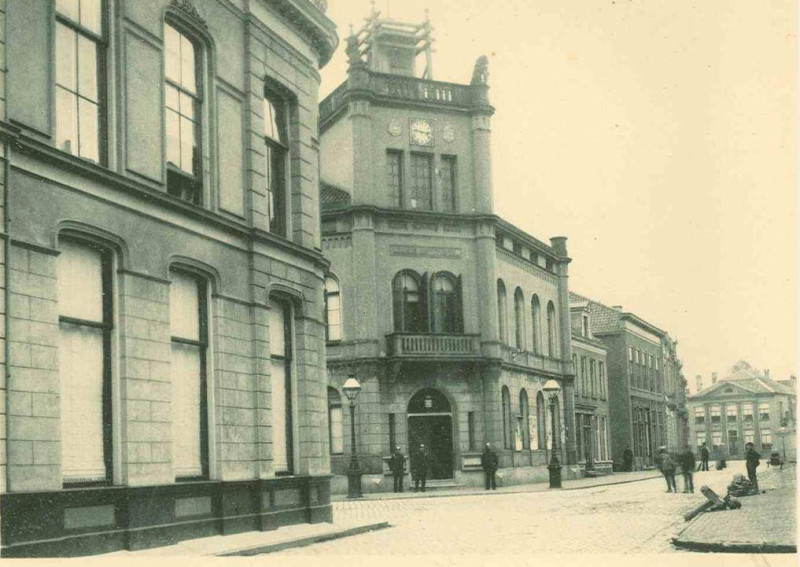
(585, 327)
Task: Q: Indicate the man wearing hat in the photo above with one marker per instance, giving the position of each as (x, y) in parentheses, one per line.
(667, 466)
(397, 464)
(489, 463)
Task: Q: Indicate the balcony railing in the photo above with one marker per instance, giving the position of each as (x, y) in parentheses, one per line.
(432, 345)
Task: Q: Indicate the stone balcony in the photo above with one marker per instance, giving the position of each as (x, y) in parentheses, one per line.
(530, 359)
(432, 345)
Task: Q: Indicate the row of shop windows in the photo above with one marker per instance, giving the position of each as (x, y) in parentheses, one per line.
(731, 412)
(87, 322)
(81, 105)
(648, 431)
(519, 337)
(591, 437)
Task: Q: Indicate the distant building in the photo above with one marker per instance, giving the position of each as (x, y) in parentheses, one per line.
(592, 438)
(745, 406)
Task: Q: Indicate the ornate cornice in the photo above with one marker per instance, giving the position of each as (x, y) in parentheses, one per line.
(187, 9)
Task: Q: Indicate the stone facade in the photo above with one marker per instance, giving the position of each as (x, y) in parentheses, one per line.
(434, 302)
(118, 204)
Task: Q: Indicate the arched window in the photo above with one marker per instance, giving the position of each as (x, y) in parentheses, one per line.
(409, 309)
(333, 310)
(519, 319)
(183, 101)
(541, 421)
(507, 442)
(446, 299)
(525, 416)
(335, 422)
(552, 348)
(536, 324)
(276, 151)
(502, 311)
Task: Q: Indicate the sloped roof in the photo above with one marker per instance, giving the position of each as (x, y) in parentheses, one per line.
(753, 385)
(602, 319)
(332, 197)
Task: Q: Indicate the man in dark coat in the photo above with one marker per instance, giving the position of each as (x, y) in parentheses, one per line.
(397, 464)
(419, 467)
(704, 455)
(687, 468)
(489, 464)
(627, 459)
(667, 466)
(752, 460)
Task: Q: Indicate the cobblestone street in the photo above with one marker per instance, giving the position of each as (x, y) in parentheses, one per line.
(632, 518)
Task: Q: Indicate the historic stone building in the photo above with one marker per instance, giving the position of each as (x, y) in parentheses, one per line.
(639, 396)
(675, 387)
(746, 405)
(591, 394)
(450, 318)
(163, 340)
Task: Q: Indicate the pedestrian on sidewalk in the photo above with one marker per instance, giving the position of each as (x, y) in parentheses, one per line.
(489, 464)
(752, 460)
(397, 464)
(687, 468)
(627, 460)
(667, 465)
(419, 467)
(704, 455)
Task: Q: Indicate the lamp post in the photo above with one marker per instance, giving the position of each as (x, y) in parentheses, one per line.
(782, 432)
(351, 389)
(551, 388)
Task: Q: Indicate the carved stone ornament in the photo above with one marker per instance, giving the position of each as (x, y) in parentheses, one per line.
(448, 133)
(395, 128)
(188, 9)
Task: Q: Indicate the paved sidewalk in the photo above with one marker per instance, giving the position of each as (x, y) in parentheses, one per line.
(615, 478)
(766, 523)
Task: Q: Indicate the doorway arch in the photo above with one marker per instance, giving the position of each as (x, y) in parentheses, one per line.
(430, 421)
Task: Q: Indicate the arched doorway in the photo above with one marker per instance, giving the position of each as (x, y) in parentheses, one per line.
(430, 421)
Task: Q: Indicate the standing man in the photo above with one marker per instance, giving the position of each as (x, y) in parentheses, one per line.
(687, 468)
(489, 463)
(667, 466)
(752, 460)
(627, 459)
(419, 467)
(397, 464)
(704, 455)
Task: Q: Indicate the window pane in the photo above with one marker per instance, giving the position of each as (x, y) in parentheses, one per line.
(66, 121)
(172, 54)
(90, 15)
(337, 431)
(186, 389)
(270, 129)
(187, 145)
(80, 282)
(81, 373)
(184, 307)
(173, 138)
(88, 133)
(87, 68)
(173, 98)
(187, 105)
(277, 321)
(66, 62)
(188, 80)
(68, 8)
(279, 417)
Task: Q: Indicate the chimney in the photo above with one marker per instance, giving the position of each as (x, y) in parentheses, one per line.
(559, 246)
(617, 307)
(713, 378)
(699, 380)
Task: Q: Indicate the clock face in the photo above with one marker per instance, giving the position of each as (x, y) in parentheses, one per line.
(421, 132)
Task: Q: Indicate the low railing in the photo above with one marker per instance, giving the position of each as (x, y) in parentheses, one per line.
(419, 344)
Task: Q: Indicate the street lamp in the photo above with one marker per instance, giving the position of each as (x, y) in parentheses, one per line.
(783, 431)
(351, 389)
(551, 388)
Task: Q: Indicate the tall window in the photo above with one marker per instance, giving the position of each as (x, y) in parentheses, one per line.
(541, 421)
(276, 150)
(85, 326)
(731, 412)
(394, 173)
(335, 422)
(408, 306)
(446, 303)
(421, 182)
(507, 431)
(716, 412)
(80, 54)
(593, 378)
(699, 415)
(747, 412)
(575, 372)
(519, 319)
(189, 330)
(602, 373)
(183, 101)
(448, 177)
(584, 385)
(333, 310)
(551, 331)
(701, 438)
(523, 410)
(763, 411)
(502, 311)
(536, 324)
(280, 346)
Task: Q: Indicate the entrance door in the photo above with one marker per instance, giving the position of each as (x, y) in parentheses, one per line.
(587, 446)
(431, 423)
(733, 443)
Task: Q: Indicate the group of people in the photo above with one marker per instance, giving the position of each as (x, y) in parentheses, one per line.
(686, 460)
(420, 465)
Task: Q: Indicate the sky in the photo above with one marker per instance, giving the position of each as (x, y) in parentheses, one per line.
(659, 137)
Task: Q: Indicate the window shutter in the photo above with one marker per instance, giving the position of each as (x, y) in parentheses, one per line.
(459, 305)
(424, 291)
